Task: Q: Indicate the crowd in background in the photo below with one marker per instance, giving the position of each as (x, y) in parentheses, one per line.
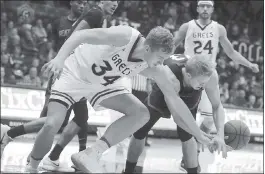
(27, 40)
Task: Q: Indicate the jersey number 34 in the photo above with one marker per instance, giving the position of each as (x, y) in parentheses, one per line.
(101, 70)
(207, 47)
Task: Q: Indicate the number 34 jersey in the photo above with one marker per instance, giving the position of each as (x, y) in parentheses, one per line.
(104, 64)
(202, 40)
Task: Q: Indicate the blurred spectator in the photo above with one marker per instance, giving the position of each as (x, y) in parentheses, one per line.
(3, 75)
(49, 30)
(251, 101)
(5, 62)
(245, 37)
(235, 32)
(36, 64)
(32, 78)
(224, 90)
(39, 32)
(17, 57)
(170, 24)
(240, 99)
(4, 24)
(259, 104)
(28, 44)
(4, 48)
(123, 18)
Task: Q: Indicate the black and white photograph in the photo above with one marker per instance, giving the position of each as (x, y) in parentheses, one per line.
(158, 86)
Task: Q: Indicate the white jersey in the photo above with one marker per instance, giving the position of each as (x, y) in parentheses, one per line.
(104, 64)
(202, 40)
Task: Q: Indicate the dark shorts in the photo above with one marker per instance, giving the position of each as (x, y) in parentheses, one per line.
(141, 95)
(155, 115)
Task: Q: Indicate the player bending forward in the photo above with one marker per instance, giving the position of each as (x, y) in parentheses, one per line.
(192, 76)
(202, 37)
(104, 56)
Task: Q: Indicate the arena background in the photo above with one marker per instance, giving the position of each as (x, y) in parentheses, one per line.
(24, 51)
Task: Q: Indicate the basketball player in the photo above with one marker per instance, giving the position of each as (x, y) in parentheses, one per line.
(91, 19)
(185, 72)
(100, 58)
(202, 37)
(61, 29)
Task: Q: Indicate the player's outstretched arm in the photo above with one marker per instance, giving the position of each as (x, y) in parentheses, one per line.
(117, 36)
(170, 87)
(181, 34)
(213, 93)
(233, 54)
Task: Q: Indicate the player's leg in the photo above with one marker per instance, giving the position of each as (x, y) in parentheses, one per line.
(189, 148)
(30, 127)
(79, 123)
(137, 142)
(63, 96)
(205, 108)
(136, 115)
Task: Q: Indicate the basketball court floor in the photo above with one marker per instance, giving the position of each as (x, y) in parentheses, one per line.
(163, 156)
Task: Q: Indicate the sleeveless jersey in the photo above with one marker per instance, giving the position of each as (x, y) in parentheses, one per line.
(104, 64)
(202, 40)
(190, 96)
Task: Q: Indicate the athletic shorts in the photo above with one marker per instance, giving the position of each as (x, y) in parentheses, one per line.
(69, 89)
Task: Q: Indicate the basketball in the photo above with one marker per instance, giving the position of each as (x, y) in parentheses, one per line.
(238, 134)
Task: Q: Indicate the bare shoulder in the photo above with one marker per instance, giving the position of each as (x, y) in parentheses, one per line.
(121, 34)
(184, 27)
(222, 30)
(214, 81)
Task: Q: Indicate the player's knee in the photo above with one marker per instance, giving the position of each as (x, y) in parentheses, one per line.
(183, 135)
(143, 115)
(140, 134)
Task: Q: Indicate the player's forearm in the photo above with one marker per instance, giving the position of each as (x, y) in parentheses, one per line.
(219, 119)
(182, 115)
(238, 58)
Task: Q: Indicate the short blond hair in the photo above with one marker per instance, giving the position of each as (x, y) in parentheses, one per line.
(160, 38)
(200, 65)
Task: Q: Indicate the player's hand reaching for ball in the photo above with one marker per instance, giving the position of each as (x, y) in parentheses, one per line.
(54, 67)
(204, 139)
(218, 144)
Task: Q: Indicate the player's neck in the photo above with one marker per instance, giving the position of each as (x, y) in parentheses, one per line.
(204, 21)
(72, 16)
(139, 50)
(185, 78)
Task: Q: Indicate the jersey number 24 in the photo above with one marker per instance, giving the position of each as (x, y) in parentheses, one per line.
(207, 46)
(101, 70)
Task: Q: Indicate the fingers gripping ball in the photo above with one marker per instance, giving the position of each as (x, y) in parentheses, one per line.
(238, 134)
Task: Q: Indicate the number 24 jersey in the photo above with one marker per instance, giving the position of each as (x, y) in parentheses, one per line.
(202, 40)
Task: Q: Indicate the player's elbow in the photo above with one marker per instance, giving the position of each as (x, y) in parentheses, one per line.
(217, 106)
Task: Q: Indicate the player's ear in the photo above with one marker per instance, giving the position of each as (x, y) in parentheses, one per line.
(147, 48)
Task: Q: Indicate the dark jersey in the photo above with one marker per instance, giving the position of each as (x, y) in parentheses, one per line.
(190, 96)
(94, 17)
(63, 28)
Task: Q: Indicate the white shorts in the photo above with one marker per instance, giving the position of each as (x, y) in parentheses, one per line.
(69, 89)
(205, 105)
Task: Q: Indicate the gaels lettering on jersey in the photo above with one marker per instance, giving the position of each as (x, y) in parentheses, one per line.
(202, 35)
(122, 66)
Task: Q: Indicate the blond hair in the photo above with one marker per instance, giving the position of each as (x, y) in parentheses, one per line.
(160, 38)
(200, 65)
